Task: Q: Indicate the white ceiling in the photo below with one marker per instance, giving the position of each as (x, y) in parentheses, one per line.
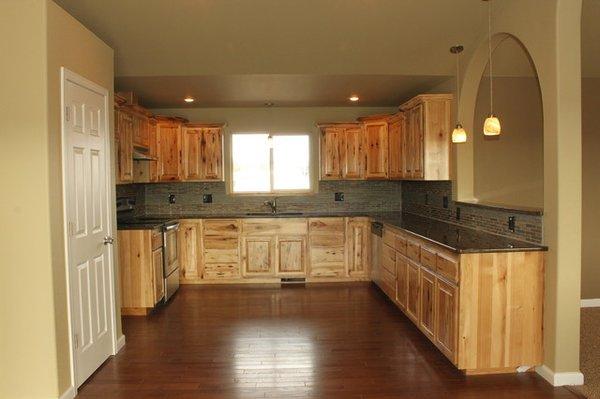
(290, 52)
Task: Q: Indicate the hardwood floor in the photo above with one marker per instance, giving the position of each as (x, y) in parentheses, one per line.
(319, 341)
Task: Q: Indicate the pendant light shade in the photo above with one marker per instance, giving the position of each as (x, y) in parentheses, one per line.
(459, 135)
(491, 126)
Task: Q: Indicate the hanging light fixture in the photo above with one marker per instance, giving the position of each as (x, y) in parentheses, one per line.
(491, 126)
(459, 135)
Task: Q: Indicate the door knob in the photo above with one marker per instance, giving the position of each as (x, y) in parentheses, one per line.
(108, 240)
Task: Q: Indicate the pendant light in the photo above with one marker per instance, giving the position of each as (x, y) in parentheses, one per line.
(491, 126)
(459, 135)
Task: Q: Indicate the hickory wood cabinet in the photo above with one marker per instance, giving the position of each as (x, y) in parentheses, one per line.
(140, 270)
(342, 151)
(483, 311)
(202, 152)
(269, 249)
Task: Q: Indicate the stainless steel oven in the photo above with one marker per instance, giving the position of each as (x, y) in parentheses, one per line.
(170, 258)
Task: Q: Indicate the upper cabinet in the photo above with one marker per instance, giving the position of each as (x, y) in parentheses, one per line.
(202, 152)
(169, 139)
(413, 144)
(124, 146)
(428, 131)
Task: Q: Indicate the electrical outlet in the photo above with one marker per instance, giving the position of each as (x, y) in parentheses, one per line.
(171, 198)
(207, 199)
(445, 201)
(339, 197)
(511, 223)
(457, 213)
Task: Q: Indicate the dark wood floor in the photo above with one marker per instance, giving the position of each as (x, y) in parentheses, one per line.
(334, 341)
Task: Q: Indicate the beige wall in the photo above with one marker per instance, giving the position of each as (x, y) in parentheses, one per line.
(590, 273)
(39, 38)
(554, 45)
(276, 120)
(510, 169)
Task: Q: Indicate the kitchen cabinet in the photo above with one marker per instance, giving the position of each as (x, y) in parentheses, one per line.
(202, 152)
(140, 269)
(427, 302)
(152, 150)
(190, 255)
(221, 249)
(342, 151)
(376, 145)
(413, 297)
(169, 139)
(401, 280)
(124, 144)
(396, 146)
(258, 257)
(358, 246)
(428, 133)
(291, 255)
(140, 131)
(327, 246)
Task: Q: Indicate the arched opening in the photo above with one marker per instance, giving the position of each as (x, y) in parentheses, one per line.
(509, 169)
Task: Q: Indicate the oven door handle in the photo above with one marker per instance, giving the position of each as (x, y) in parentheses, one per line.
(172, 227)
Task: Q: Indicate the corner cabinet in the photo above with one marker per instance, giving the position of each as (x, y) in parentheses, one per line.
(443, 292)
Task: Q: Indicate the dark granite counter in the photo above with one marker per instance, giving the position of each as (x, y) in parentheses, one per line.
(451, 236)
(142, 223)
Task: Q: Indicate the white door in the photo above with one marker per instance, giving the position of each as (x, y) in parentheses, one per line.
(89, 249)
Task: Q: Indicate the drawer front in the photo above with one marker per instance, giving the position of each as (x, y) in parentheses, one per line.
(326, 240)
(428, 258)
(292, 226)
(221, 227)
(389, 253)
(400, 244)
(447, 268)
(388, 262)
(389, 237)
(157, 238)
(388, 281)
(413, 251)
(221, 249)
(327, 226)
(321, 255)
(217, 271)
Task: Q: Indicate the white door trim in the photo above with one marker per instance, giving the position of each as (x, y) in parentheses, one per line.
(69, 76)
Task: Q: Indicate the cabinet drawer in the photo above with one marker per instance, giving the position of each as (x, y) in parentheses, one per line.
(157, 238)
(216, 271)
(428, 258)
(326, 240)
(388, 261)
(320, 255)
(389, 253)
(221, 249)
(221, 227)
(388, 281)
(389, 237)
(413, 251)
(447, 268)
(272, 226)
(327, 226)
(400, 244)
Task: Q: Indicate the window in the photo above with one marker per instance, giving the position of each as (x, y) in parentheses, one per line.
(265, 163)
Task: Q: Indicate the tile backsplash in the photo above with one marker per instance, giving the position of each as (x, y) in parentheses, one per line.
(427, 199)
(368, 196)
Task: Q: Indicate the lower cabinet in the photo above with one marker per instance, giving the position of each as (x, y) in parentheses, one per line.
(401, 280)
(140, 270)
(412, 291)
(190, 255)
(258, 256)
(358, 246)
(327, 247)
(446, 317)
(291, 256)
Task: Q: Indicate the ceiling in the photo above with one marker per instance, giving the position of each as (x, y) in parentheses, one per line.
(290, 52)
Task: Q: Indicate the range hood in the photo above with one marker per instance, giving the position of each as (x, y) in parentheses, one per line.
(141, 154)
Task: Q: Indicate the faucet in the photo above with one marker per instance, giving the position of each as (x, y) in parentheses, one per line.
(272, 204)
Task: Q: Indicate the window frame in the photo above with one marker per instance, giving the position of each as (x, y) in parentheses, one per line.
(282, 192)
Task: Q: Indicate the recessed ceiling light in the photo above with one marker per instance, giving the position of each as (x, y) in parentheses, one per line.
(189, 99)
(353, 98)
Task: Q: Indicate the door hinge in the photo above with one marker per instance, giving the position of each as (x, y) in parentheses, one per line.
(67, 114)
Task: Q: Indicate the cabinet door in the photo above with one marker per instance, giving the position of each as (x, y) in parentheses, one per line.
(192, 138)
(396, 148)
(427, 294)
(211, 154)
(330, 153)
(140, 131)
(401, 280)
(357, 249)
(190, 255)
(152, 151)
(291, 255)
(157, 267)
(169, 151)
(258, 256)
(413, 297)
(446, 314)
(415, 143)
(377, 150)
(353, 154)
(125, 147)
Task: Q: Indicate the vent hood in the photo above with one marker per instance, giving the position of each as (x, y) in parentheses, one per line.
(141, 154)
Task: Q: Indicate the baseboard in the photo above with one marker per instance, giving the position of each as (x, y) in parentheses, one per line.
(560, 379)
(70, 393)
(120, 343)
(590, 303)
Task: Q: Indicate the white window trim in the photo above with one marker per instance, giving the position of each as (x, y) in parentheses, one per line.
(286, 192)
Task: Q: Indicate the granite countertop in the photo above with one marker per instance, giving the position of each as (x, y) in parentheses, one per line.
(451, 236)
